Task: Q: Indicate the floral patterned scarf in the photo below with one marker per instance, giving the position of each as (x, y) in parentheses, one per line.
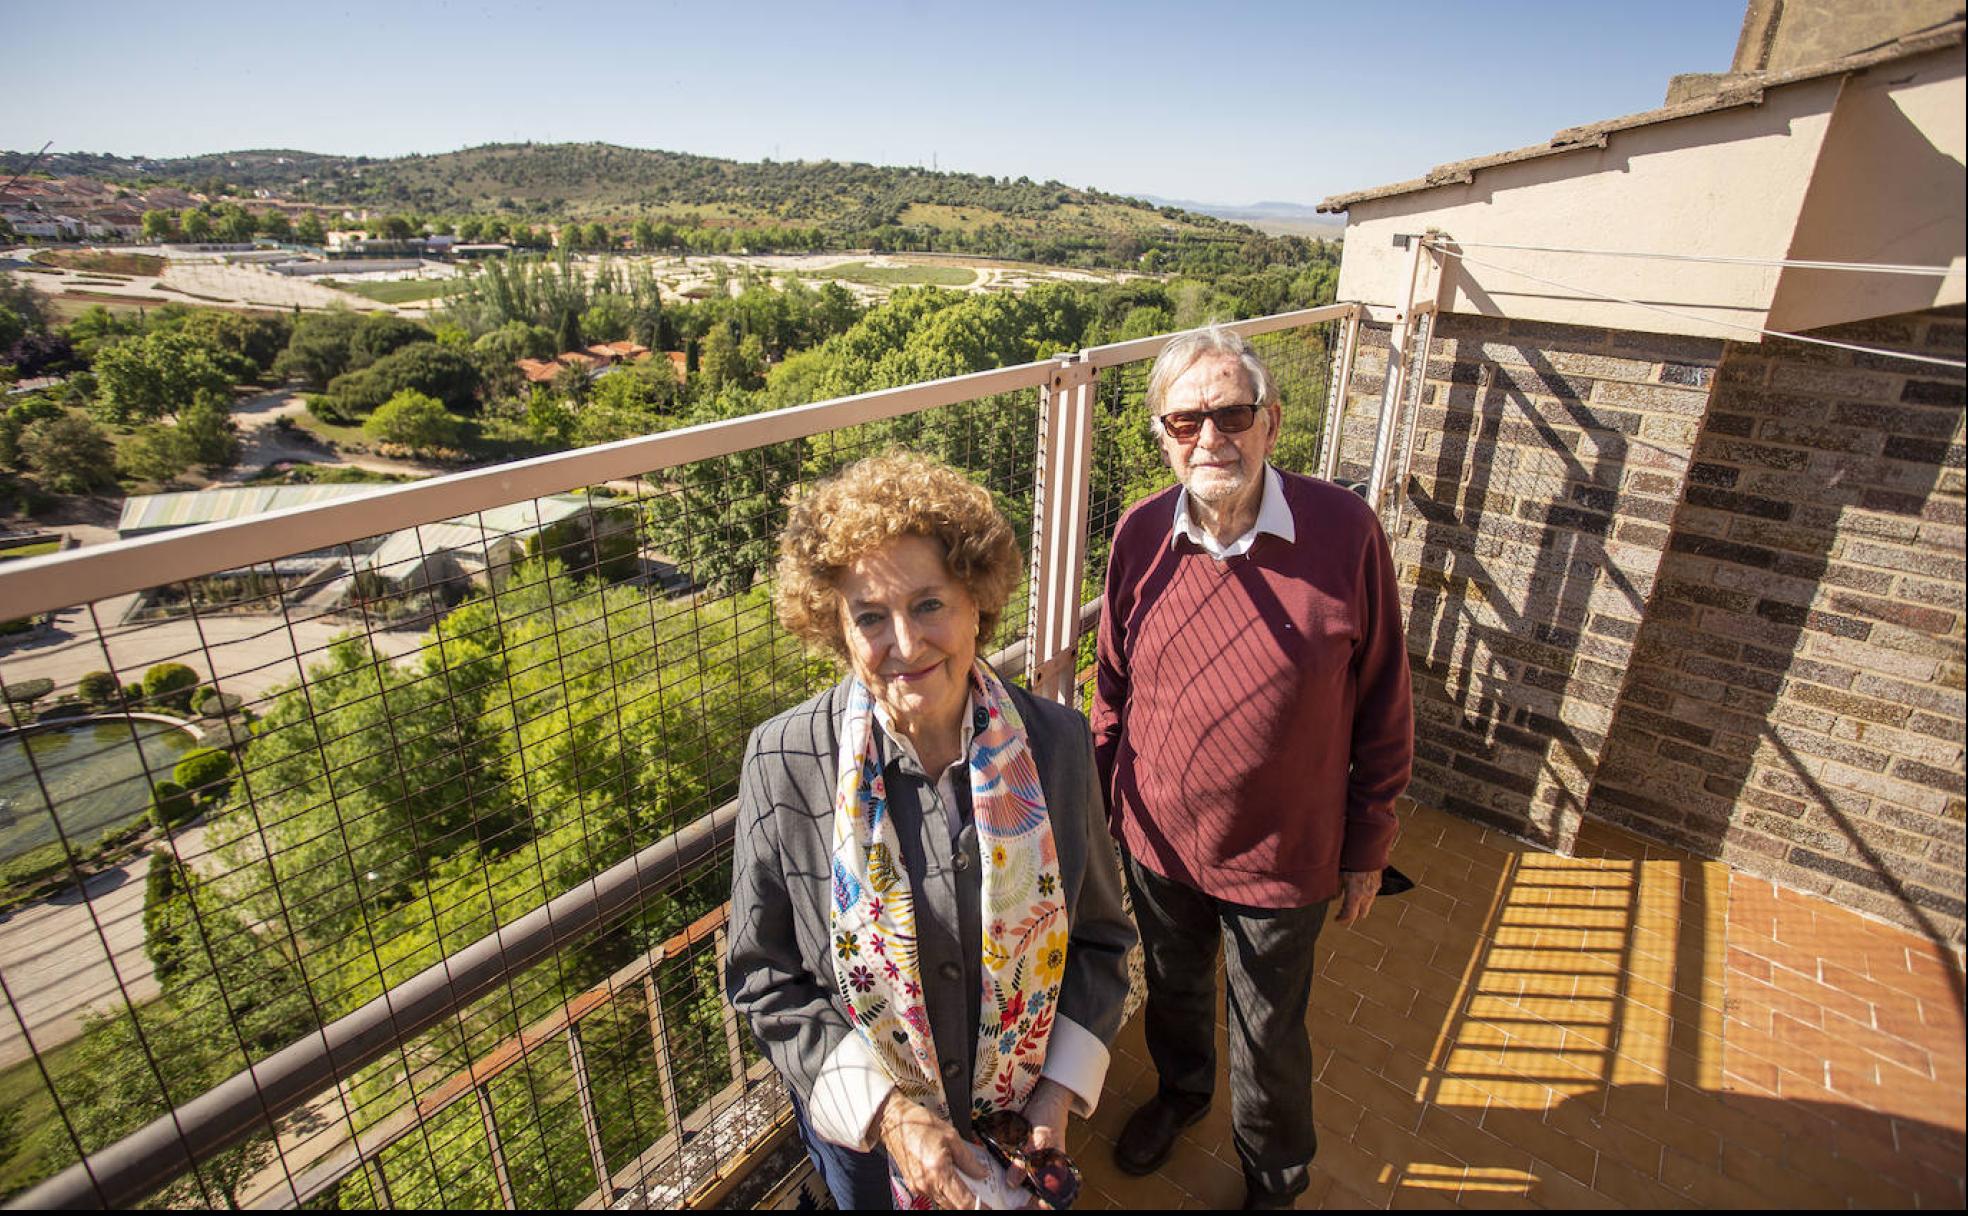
(1024, 913)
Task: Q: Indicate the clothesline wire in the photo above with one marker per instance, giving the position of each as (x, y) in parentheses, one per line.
(1688, 316)
(1789, 263)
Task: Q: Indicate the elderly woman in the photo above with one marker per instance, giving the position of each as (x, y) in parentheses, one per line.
(926, 913)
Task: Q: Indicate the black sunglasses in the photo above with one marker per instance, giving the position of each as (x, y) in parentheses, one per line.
(1229, 419)
(1049, 1172)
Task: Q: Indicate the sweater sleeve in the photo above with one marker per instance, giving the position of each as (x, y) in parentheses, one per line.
(1383, 713)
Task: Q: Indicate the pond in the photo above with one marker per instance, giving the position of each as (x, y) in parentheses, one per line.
(93, 771)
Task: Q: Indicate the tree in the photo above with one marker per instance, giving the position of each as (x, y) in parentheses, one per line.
(196, 225)
(98, 688)
(155, 454)
(71, 453)
(722, 522)
(516, 340)
(596, 236)
(413, 420)
(308, 231)
(276, 225)
(449, 375)
(158, 225)
(157, 374)
(322, 347)
(380, 334)
(169, 685)
(204, 772)
(210, 436)
(644, 234)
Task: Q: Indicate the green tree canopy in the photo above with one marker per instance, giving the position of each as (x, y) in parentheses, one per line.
(415, 421)
(160, 373)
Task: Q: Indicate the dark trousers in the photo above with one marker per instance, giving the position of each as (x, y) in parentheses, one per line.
(858, 1181)
(1269, 963)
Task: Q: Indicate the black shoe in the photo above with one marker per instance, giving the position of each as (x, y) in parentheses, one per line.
(1150, 1133)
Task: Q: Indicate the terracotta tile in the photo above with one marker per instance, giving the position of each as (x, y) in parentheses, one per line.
(1373, 1092)
(1335, 1114)
(1450, 1133)
(1705, 1184)
(1353, 1169)
(1553, 1190)
(1644, 1109)
(1714, 1113)
(1529, 1132)
(1631, 1190)
(1589, 1125)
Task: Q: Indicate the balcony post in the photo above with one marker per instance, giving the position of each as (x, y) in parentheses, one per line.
(1060, 505)
(659, 1035)
(734, 1045)
(483, 1093)
(1394, 391)
(1336, 394)
(590, 1122)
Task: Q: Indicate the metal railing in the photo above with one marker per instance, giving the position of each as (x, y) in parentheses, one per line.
(470, 835)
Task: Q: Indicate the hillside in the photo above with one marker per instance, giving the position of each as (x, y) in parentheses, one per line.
(603, 182)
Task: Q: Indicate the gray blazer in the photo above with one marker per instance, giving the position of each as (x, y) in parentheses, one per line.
(780, 972)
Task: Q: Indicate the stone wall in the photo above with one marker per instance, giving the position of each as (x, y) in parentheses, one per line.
(1795, 705)
(1712, 592)
(1547, 464)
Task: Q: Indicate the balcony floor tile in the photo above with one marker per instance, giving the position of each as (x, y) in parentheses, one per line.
(1629, 1027)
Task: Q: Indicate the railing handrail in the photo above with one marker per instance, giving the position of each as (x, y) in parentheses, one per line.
(97, 572)
(124, 1173)
(245, 1104)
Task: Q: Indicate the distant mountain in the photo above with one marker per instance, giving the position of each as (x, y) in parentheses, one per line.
(1275, 218)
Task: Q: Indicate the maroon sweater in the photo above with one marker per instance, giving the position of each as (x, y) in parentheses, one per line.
(1252, 722)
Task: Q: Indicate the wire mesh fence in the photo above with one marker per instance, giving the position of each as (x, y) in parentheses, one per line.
(254, 806)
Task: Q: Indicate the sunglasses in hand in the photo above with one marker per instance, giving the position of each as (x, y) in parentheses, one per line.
(1184, 425)
(1049, 1172)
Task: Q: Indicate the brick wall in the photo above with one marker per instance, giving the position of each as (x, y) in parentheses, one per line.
(1795, 703)
(1712, 592)
(1548, 462)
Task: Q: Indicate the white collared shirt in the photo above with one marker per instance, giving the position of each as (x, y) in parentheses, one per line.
(1273, 516)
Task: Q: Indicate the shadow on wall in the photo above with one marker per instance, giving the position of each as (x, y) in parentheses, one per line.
(1789, 707)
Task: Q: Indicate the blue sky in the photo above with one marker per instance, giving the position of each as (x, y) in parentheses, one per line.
(1284, 101)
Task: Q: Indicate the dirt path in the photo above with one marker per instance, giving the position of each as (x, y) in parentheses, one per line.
(263, 441)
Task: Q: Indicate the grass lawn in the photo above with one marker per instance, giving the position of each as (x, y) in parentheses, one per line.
(345, 436)
(396, 291)
(101, 262)
(34, 550)
(43, 1147)
(896, 276)
(70, 305)
(304, 473)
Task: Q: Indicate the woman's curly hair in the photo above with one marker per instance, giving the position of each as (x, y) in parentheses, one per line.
(872, 502)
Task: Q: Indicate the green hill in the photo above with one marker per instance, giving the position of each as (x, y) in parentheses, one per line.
(594, 182)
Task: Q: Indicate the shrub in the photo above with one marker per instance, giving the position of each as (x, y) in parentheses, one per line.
(203, 771)
(27, 692)
(133, 695)
(170, 805)
(170, 684)
(98, 688)
(160, 926)
(69, 706)
(415, 421)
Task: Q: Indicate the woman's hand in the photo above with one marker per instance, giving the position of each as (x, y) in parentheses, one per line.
(928, 1152)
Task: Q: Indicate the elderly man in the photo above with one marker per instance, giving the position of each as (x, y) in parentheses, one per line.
(1253, 727)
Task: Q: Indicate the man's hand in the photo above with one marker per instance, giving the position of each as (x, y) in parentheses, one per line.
(928, 1152)
(1047, 1110)
(1357, 889)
